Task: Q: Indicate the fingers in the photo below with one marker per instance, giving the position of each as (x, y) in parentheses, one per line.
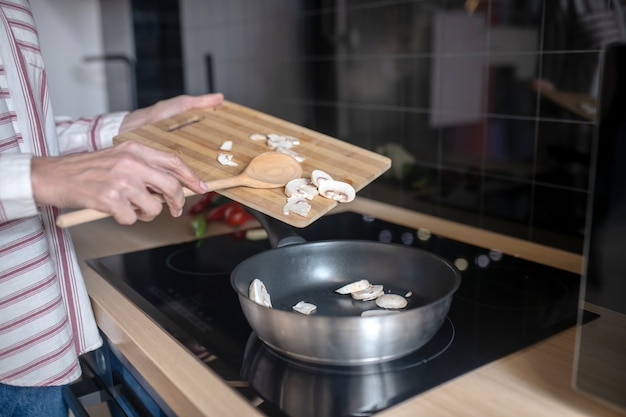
(196, 102)
(169, 163)
(167, 108)
(125, 179)
(129, 181)
(210, 100)
(164, 174)
(140, 206)
(179, 104)
(135, 186)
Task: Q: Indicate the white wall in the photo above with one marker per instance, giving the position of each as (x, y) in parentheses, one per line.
(70, 30)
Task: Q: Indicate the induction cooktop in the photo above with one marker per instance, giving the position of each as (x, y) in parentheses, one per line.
(504, 304)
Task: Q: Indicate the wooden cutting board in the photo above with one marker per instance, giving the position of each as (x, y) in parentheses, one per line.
(196, 136)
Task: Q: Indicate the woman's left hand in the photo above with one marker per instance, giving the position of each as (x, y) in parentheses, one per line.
(169, 107)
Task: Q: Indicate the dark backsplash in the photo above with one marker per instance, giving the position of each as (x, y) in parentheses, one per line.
(447, 88)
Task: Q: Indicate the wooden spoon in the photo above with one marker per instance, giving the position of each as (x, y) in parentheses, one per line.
(267, 170)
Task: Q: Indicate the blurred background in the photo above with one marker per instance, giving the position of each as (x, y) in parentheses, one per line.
(486, 107)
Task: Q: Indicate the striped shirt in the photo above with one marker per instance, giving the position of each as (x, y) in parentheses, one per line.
(46, 320)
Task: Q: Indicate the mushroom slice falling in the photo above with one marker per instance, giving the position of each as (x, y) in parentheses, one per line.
(304, 307)
(368, 294)
(301, 187)
(258, 293)
(354, 287)
(391, 301)
(337, 190)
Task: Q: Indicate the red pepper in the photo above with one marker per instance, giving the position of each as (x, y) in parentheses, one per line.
(219, 212)
(204, 202)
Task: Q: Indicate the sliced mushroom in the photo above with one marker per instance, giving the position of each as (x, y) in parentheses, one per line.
(318, 176)
(297, 205)
(292, 140)
(258, 293)
(337, 190)
(368, 294)
(301, 187)
(227, 145)
(391, 301)
(226, 159)
(354, 287)
(258, 136)
(290, 152)
(275, 141)
(304, 307)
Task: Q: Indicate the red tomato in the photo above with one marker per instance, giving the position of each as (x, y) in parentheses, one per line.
(236, 216)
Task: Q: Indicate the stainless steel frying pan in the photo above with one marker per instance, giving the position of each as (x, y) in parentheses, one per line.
(336, 333)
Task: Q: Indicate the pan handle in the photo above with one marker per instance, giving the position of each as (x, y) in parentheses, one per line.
(279, 233)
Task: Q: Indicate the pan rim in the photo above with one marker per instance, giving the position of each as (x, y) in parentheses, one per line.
(243, 295)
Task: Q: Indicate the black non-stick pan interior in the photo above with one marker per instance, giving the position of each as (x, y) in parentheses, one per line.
(312, 272)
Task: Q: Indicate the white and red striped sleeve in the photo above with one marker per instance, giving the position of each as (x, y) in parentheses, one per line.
(87, 134)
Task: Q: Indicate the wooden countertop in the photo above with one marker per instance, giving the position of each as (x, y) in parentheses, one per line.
(535, 381)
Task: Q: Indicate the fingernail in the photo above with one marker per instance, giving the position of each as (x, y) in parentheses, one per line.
(204, 186)
(180, 213)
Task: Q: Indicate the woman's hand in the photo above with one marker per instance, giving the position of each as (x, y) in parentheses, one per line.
(167, 108)
(119, 180)
(123, 179)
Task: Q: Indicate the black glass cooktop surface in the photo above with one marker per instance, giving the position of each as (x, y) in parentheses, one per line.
(504, 304)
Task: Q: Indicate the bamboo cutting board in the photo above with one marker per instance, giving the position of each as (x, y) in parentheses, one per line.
(196, 136)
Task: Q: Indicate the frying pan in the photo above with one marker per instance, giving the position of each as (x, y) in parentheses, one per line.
(296, 270)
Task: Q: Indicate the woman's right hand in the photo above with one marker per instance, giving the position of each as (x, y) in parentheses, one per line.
(120, 180)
